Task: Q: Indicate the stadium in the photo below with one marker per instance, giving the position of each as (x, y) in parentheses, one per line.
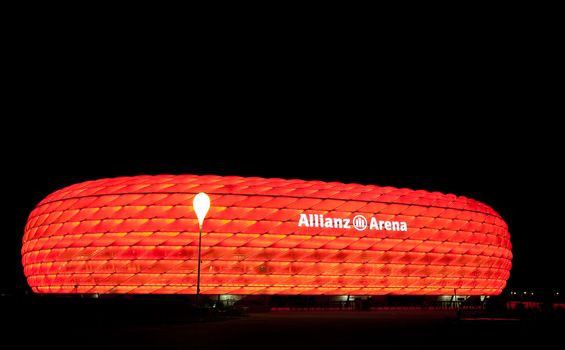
(261, 236)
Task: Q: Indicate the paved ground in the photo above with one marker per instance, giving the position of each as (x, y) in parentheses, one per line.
(331, 330)
(298, 330)
(109, 327)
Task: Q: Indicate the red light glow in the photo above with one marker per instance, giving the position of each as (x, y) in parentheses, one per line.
(140, 235)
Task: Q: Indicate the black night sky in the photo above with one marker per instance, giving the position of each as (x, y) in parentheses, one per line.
(455, 121)
(510, 166)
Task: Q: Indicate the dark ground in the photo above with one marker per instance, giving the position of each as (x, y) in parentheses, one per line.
(173, 324)
(339, 330)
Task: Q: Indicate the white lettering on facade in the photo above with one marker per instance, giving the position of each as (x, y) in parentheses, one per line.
(318, 220)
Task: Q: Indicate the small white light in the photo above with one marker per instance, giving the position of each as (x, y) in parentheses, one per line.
(201, 204)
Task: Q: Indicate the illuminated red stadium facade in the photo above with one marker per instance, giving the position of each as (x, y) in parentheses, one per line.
(263, 236)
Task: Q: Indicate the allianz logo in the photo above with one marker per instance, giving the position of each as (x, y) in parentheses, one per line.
(359, 222)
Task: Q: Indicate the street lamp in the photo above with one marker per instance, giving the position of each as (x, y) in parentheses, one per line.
(201, 204)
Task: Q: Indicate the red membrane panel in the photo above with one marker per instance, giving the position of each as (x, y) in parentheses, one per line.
(263, 236)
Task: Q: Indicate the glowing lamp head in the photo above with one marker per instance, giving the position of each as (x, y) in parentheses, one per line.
(201, 204)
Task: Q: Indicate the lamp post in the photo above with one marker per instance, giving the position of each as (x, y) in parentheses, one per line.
(201, 204)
